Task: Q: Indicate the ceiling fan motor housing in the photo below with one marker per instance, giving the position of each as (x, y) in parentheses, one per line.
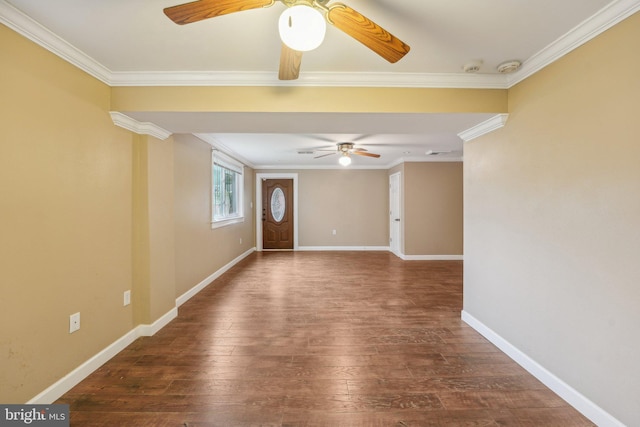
(344, 147)
(339, 15)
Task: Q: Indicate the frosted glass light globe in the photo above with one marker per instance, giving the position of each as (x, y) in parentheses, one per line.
(302, 28)
(345, 160)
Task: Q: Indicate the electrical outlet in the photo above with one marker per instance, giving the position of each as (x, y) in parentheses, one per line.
(334, 232)
(127, 298)
(74, 322)
(241, 240)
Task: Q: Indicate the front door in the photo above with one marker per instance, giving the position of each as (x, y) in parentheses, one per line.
(277, 214)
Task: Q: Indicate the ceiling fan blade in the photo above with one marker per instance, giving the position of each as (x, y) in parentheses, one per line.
(360, 149)
(290, 61)
(324, 155)
(367, 32)
(202, 9)
(362, 153)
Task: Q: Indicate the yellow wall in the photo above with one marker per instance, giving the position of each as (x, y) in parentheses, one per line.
(201, 251)
(65, 219)
(90, 210)
(432, 209)
(308, 99)
(154, 286)
(551, 211)
(87, 213)
(552, 221)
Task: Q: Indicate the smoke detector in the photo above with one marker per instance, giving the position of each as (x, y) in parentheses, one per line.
(472, 67)
(509, 66)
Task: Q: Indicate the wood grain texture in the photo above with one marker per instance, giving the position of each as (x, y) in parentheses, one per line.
(203, 9)
(367, 32)
(319, 339)
(290, 62)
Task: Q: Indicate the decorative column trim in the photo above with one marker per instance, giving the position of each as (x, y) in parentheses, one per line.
(494, 123)
(143, 128)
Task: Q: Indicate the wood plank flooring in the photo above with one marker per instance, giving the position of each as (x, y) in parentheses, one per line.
(319, 339)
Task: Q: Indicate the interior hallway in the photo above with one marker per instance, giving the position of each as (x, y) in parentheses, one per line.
(319, 339)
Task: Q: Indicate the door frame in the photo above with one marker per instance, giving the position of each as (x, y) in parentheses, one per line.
(396, 247)
(258, 210)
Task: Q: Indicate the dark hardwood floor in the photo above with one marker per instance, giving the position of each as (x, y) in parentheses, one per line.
(319, 339)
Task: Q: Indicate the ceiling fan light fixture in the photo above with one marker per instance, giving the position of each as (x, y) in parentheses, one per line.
(302, 28)
(345, 160)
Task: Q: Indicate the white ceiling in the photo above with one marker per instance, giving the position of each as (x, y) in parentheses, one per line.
(131, 42)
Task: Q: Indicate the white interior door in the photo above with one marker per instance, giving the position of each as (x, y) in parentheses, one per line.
(395, 214)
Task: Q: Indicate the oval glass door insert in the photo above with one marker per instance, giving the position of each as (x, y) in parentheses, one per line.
(277, 204)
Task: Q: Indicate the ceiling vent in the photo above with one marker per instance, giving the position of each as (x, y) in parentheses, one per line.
(472, 67)
(509, 67)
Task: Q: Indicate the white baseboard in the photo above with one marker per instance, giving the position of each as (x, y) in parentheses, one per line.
(385, 249)
(585, 406)
(200, 286)
(150, 330)
(431, 257)
(66, 383)
(343, 248)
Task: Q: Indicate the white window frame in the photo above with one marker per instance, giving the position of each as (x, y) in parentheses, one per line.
(222, 160)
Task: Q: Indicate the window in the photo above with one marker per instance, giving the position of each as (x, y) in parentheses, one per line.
(228, 182)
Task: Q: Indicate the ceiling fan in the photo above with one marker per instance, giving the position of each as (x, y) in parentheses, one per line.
(294, 25)
(346, 149)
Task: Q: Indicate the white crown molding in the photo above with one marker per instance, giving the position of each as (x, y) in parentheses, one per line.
(213, 142)
(315, 79)
(430, 159)
(606, 18)
(40, 35)
(496, 122)
(142, 128)
(24, 25)
(424, 159)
